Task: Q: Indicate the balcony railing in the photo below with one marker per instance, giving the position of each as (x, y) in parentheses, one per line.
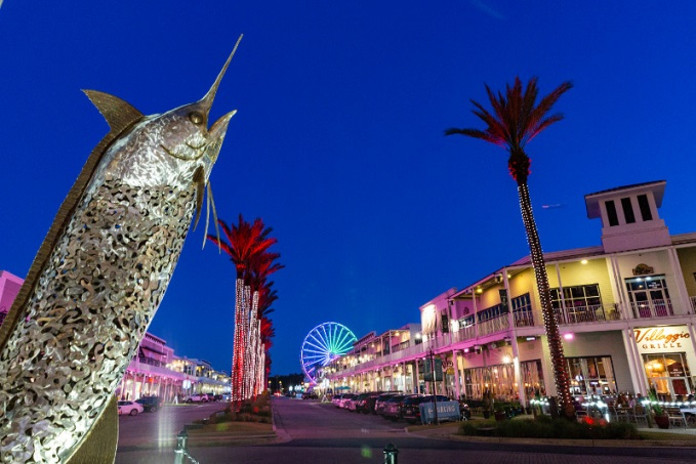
(496, 324)
(652, 308)
(693, 303)
(464, 333)
(523, 318)
(591, 313)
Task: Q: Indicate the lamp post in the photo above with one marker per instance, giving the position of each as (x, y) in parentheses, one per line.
(432, 371)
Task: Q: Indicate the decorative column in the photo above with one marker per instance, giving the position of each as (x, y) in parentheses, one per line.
(513, 340)
(457, 386)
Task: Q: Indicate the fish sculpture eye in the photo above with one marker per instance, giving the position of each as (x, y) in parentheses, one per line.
(196, 118)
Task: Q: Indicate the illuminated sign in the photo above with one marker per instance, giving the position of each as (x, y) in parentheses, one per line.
(656, 339)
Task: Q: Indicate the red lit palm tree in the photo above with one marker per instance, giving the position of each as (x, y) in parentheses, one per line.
(247, 245)
(515, 120)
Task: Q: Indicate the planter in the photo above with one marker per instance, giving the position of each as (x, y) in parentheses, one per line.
(486, 414)
(662, 421)
(500, 416)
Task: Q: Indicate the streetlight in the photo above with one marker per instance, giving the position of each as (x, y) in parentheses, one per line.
(432, 370)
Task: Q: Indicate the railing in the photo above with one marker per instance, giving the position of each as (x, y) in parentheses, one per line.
(523, 318)
(652, 308)
(464, 333)
(591, 313)
(496, 324)
(693, 303)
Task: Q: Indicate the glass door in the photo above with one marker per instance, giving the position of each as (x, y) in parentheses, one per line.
(649, 296)
(669, 374)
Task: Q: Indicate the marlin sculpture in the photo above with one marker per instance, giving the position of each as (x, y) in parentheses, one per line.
(98, 278)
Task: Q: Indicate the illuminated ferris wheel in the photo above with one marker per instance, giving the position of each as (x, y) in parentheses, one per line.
(323, 344)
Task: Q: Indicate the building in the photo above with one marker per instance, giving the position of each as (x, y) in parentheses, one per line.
(625, 310)
(9, 288)
(154, 370)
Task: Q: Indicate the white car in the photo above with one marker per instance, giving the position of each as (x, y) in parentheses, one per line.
(130, 407)
(198, 398)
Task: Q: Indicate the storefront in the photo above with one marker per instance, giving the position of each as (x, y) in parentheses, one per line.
(667, 355)
(499, 380)
(591, 375)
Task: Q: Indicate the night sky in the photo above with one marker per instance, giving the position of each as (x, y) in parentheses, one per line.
(338, 141)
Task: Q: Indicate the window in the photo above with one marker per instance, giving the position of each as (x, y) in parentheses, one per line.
(499, 380)
(611, 213)
(583, 303)
(644, 206)
(649, 296)
(579, 296)
(628, 210)
(669, 374)
(491, 312)
(591, 375)
(522, 311)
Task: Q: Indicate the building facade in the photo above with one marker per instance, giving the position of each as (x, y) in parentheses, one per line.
(625, 310)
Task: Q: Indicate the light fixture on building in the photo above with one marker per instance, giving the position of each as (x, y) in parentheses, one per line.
(568, 336)
(530, 339)
(507, 359)
(584, 261)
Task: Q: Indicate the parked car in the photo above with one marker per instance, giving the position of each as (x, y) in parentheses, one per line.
(352, 403)
(342, 403)
(344, 398)
(411, 406)
(361, 402)
(150, 403)
(198, 398)
(370, 402)
(391, 407)
(381, 400)
(129, 407)
(336, 399)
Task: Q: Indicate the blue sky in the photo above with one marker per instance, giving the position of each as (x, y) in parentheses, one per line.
(338, 145)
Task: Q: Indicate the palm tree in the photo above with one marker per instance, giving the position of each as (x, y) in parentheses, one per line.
(247, 245)
(517, 119)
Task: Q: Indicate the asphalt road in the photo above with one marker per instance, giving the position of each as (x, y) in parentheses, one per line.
(314, 432)
(159, 429)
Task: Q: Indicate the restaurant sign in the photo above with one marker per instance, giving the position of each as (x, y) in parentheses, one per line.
(658, 339)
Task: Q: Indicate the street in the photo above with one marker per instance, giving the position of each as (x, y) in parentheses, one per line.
(158, 430)
(315, 432)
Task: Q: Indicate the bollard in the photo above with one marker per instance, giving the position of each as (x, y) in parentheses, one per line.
(180, 450)
(391, 454)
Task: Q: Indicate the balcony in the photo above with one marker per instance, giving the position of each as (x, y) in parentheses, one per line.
(652, 308)
(583, 314)
(493, 325)
(693, 303)
(523, 318)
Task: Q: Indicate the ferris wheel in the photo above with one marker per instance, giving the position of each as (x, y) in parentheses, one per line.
(323, 344)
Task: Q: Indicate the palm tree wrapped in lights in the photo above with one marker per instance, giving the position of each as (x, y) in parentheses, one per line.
(514, 122)
(247, 245)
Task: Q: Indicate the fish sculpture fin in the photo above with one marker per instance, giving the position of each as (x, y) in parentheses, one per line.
(99, 445)
(121, 116)
(118, 113)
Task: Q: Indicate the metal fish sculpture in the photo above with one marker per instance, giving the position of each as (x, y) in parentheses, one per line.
(98, 279)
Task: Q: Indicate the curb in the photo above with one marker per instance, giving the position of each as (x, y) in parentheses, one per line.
(564, 441)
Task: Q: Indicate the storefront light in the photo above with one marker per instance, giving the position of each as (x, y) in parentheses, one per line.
(568, 336)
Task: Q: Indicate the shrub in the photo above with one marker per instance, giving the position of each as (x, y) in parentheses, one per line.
(546, 427)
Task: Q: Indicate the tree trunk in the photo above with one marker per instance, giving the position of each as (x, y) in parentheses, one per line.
(550, 325)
